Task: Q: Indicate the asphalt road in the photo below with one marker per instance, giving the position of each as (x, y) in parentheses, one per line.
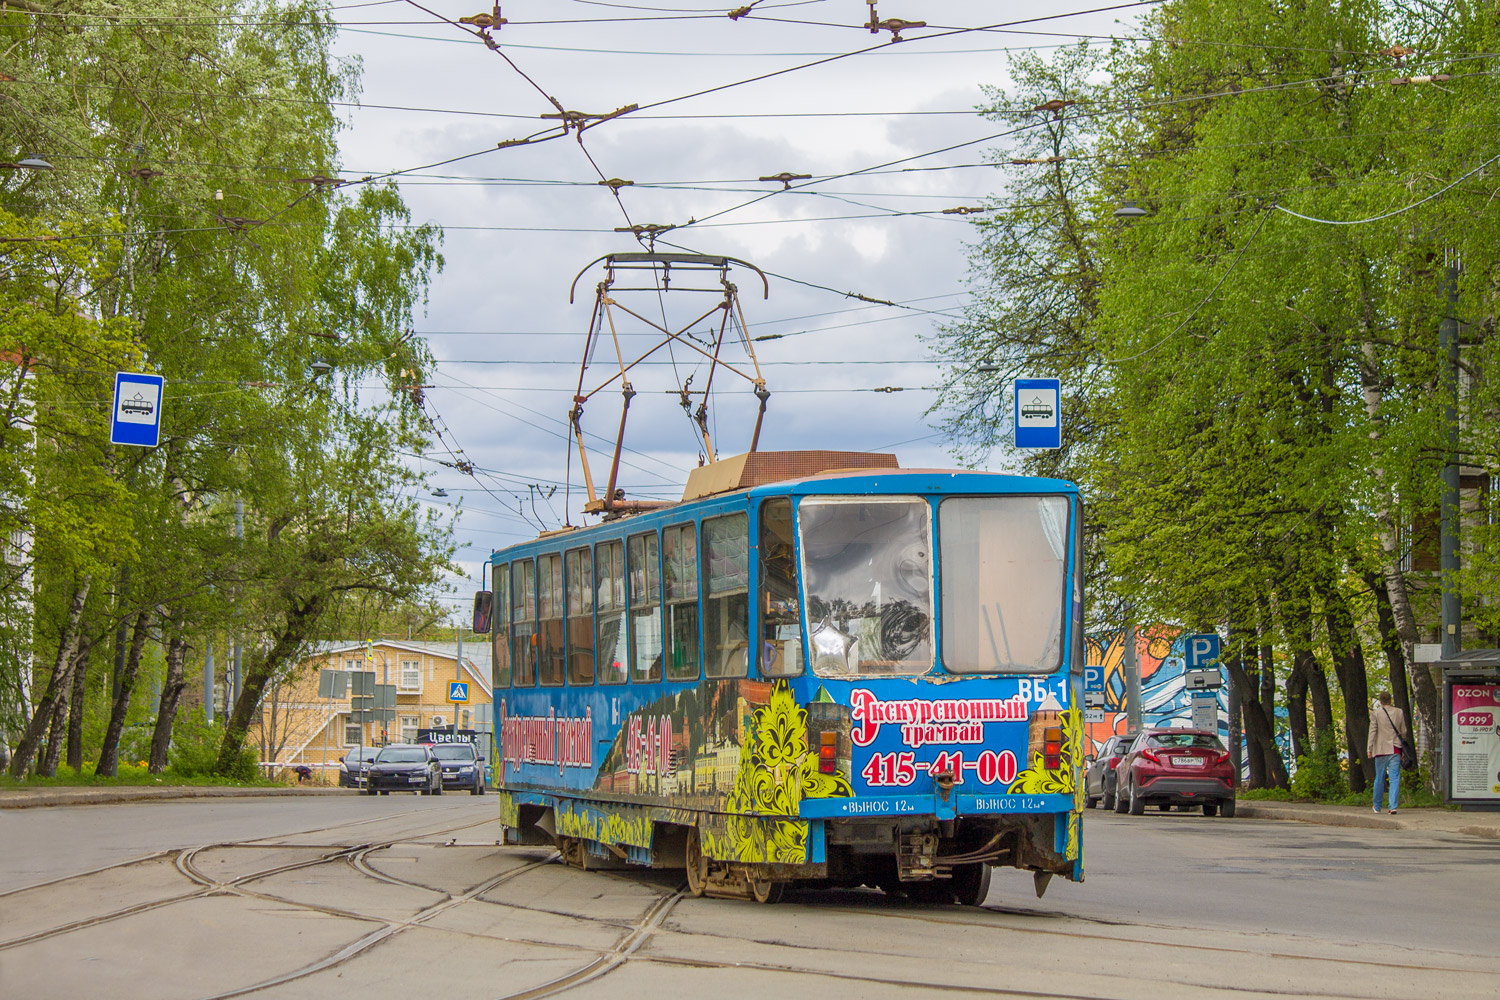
(401, 895)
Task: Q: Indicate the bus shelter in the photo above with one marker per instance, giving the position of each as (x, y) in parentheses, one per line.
(1471, 729)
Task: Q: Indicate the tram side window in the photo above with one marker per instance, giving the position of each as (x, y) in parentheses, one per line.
(523, 616)
(551, 665)
(579, 566)
(613, 644)
(726, 604)
(645, 608)
(679, 550)
(781, 621)
(500, 660)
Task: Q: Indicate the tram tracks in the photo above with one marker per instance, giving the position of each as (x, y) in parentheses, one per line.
(206, 885)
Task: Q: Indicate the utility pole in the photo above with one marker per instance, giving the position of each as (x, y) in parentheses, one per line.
(1132, 680)
(233, 694)
(1448, 539)
(208, 682)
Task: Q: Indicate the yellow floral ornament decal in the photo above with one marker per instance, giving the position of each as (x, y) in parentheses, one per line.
(1038, 780)
(776, 772)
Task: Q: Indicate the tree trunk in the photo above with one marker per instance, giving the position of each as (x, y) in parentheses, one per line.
(1244, 700)
(76, 706)
(1349, 667)
(1259, 729)
(61, 679)
(109, 752)
(1297, 624)
(1390, 643)
(57, 732)
(1424, 687)
(299, 623)
(1275, 765)
(166, 709)
(1296, 709)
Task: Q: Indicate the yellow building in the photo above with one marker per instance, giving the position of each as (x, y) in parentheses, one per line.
(297, 727)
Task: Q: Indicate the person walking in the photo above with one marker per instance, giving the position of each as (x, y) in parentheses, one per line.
(1387, 727)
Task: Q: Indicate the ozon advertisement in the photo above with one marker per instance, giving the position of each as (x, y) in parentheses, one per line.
(1475, 748)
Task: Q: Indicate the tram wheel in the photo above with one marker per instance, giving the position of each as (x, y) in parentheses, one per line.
(971, 883)
(697, 867)
(766, 891)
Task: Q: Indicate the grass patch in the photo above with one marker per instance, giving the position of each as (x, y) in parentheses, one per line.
(130, 774)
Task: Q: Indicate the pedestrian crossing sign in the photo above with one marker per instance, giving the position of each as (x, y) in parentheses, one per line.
(458, 691)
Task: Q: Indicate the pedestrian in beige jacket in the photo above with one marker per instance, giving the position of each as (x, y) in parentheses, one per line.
(1387, 727)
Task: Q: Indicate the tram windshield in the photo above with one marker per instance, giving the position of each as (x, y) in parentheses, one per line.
(867, 571)
(1004, 583)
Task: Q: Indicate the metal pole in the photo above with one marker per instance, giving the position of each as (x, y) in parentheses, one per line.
(233, 694)
(1448, 541)
(1132, 680)
(208, 682)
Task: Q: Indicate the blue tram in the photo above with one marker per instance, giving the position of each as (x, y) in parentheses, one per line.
(862, 676)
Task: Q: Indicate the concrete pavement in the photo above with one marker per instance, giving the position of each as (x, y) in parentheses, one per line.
(341, 895)
(85, 795)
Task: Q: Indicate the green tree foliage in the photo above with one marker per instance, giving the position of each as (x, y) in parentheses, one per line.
(189, 229)
(1261, 410)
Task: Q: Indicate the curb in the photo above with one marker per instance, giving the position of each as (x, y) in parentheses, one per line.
(22, 799)
(1434, 823)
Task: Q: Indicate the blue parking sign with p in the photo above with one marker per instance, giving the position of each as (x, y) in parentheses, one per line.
(1201, 650)
(1093, 679)
(458, 691)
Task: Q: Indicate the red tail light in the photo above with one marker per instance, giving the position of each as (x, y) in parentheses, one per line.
(1223, 758)
(1052, 748)
(1151, 756)
(828, 753)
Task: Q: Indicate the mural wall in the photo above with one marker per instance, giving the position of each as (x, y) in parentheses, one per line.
(1164, 695)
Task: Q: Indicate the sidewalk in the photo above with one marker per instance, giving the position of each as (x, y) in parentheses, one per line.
(1474, 824)
(26, 798)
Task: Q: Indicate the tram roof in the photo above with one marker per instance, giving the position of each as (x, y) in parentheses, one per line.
(852, 482)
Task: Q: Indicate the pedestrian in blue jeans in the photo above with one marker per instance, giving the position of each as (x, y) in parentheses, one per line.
(1387, 726)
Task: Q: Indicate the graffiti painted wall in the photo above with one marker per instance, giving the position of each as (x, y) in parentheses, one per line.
(1164, 697)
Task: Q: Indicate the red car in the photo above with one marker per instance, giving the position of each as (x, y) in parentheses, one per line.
(1175, 767)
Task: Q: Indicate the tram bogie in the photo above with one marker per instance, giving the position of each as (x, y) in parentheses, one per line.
(855, 678)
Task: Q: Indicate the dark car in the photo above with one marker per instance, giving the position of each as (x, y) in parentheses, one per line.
(462, 768)
(404, 768)
(1099, 779)
(353, 766)
(1175, 767)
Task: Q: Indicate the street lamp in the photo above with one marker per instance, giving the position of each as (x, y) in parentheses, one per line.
(1130, 211)
(320, 368)
(987, 366)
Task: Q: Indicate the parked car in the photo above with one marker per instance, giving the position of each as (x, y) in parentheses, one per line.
(1175, 767)
(404, 767)
(462, 768)
(1099, 779)
(354, 764)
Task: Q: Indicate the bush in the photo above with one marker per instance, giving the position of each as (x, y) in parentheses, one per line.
(1320, 774)
(195, 750)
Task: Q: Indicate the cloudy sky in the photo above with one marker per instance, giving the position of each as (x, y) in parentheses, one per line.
(521, 222)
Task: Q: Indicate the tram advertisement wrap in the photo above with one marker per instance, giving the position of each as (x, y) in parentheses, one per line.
(1476, 741)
